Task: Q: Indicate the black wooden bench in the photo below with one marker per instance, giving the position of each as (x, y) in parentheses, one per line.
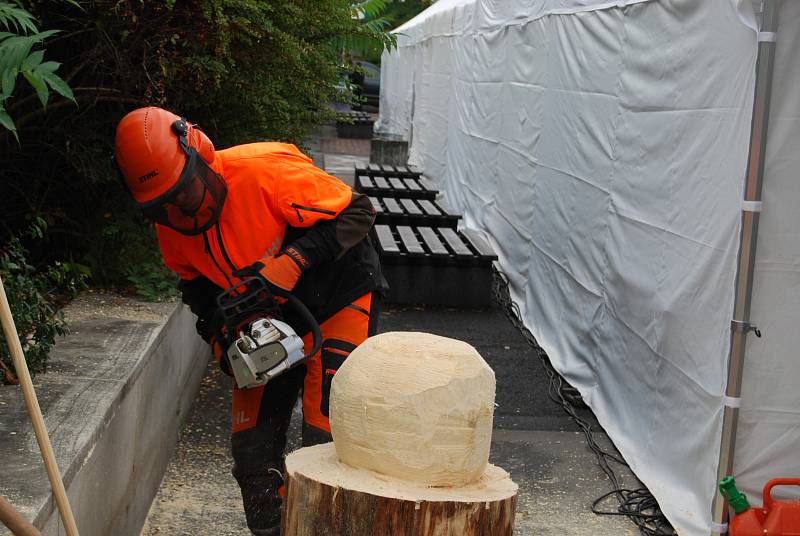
(354, 125)
(435, 265)
(397, 187)
(386, 170)
(420, 212)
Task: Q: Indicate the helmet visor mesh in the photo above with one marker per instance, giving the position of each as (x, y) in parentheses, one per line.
(196, 201)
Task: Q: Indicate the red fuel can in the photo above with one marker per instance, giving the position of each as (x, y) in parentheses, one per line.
(782, 517)
(775, 518)
(748, 523)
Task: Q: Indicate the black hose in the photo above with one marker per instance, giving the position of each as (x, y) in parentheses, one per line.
(638, 505)
(316, 332)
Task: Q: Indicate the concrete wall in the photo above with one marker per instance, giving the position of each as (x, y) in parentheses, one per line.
(116, 392)
(388, 149)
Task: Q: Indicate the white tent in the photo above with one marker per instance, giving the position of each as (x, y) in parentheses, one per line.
(603, 149)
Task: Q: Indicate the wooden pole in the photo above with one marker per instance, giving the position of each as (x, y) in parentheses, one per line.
(35, 413)
(12, 519)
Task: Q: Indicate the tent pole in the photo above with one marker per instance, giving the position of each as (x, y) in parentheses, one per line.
(740, 326)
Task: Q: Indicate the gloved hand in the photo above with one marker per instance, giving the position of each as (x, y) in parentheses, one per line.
(219, 346)
(280, 272)
(220, 356)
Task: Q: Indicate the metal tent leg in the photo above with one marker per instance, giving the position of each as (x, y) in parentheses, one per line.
(740, 326)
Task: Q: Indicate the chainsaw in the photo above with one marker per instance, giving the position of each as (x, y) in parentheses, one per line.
(261, 346)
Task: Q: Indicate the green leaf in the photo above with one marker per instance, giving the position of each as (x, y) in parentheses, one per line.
(6, 121)
(33, 60)
(38, 84)
(16, 49)
(58, 85)
(48, 67)
(41, 36)
(369, 8)
(75, 4)
(82, 269)
(15, 17)
(9, 79)
(376, 26)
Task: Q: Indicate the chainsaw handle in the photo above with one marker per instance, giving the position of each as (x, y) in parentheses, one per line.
(768, 500)
(316, 333)
(240, 302)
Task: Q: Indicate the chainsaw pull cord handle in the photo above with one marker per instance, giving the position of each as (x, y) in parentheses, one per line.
(768, 500)
(316, 332)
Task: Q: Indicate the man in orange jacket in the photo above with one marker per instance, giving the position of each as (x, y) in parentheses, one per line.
(261, 209)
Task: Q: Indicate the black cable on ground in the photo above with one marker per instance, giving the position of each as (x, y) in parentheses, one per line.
(637, 504)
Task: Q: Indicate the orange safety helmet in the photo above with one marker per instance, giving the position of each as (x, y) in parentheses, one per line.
(164, 161)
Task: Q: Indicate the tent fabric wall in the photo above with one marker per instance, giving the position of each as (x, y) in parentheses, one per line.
(602, 147)
(603, 152)
(418, 74)
(768, 438)
(396, 96)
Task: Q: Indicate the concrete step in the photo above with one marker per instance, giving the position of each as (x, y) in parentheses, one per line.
(116, 391)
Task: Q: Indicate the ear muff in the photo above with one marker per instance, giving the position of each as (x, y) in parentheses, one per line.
(180, 128)
(192, 136)
(201, 143)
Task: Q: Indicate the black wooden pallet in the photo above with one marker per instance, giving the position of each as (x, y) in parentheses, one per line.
(435, 265)
(386, 170)
(421, 212)
(397, 187)
(355, 125)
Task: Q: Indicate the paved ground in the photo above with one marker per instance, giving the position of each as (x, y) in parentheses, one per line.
(345, 146)
(533, 439)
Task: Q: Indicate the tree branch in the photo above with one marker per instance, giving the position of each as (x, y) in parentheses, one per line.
(8, 376)
(27, 118)
(20, 103)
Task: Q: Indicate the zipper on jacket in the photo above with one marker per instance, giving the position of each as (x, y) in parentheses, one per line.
(214, 259)
(298, 208)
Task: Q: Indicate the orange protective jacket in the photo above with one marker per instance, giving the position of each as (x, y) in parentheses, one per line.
(275, 197)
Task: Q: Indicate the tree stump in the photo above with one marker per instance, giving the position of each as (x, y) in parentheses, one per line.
(411, 418)
(325, 497)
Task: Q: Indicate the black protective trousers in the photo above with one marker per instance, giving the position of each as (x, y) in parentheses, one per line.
(261, 416)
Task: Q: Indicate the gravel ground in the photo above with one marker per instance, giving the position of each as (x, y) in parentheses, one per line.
(198, 495)
(99, 303)
(534, 440)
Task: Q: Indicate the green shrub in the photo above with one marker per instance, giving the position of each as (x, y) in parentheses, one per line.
(17, 57)
(138, 259)
(244, 70)
(370, 41)
(35, 297)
